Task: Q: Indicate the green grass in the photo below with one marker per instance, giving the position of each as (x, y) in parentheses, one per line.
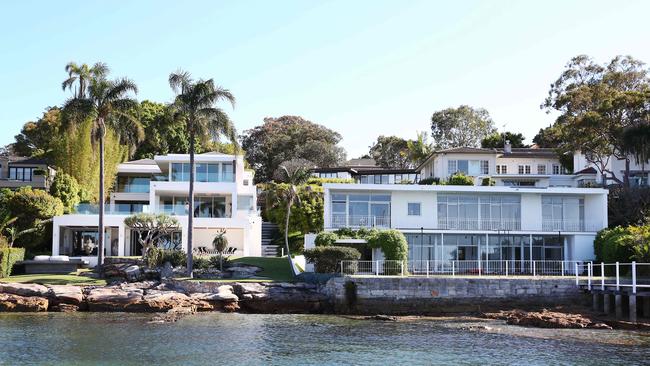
(273, 268)
(54, 279)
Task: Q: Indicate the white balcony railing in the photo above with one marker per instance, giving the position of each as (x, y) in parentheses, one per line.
(563, 225)
(358, 221)
(479, 224)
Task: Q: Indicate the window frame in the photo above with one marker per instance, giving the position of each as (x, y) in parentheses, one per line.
(419, 209)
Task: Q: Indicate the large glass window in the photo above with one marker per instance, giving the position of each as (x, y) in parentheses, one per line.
(228, 172)
(21, 174)
(180, 172)
(468, 167)
(562, 213)
(128, 207)
(360, 210)
(209, 206)
(129, 184)
(461, 211)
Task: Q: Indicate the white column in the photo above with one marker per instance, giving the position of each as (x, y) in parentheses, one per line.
(56, 230)
(121, 240)
(233, 212)
(530, 245)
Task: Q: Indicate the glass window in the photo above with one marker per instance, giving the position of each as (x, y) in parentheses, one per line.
(21, 174)
(414, 208)
(201, 172)
(485, 167)
(541, 169)
(245, 203)
(228, 175)
(556, 169)
(452, 167)
(463, 166)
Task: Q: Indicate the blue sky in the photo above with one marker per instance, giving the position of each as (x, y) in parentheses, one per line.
(362, 68)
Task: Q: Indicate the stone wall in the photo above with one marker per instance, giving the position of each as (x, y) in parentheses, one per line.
(439, 295)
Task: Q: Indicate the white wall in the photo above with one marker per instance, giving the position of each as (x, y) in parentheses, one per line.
(399, 210)
(531, 212)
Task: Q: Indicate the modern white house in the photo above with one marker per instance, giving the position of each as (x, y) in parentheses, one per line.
(535, 209)
(225, 198)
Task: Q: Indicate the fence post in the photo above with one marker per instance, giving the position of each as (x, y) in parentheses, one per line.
(377, 268)
(562, 268)
(479, 267)
(618, 283)
(602, 276)
(402, 264)
(427, 269)
(577, 278)
(634, 277)
(534, 269)
(453, 268)
(589, 270)
(506, 268)
(342, 268)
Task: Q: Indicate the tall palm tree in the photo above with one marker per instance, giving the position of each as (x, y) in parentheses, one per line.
(419, 149)
(195, 104)
(295, 173)
(82, 74)
(110, 105)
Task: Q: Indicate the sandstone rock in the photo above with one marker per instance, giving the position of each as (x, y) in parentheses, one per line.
(115, 299)
(224, 299)
(127, 271)
(65, 308)
(158, 301)
(66, 294)
(17, 303)
(24, 289)
(167, 271)
(279, 298)
(548, 319)
(382, 318)
(242, 271)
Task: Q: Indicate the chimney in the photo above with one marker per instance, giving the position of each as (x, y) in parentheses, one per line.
(507, 148)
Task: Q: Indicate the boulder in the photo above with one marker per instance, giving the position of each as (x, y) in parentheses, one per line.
(167, 271)
(162, 301)
(24, 289)
(267, 297)
(547, 319)
(65, 294)
(242, 271)
(115, 299)
(17, 303)
(224, 299)
(128, 271)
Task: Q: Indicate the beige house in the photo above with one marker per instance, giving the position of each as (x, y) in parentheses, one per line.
(17, 171)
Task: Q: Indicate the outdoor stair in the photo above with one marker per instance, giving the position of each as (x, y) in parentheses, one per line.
(269, 231)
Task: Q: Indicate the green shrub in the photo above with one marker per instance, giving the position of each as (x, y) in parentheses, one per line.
(8, 257)
(365, 233)
(325, 239)
(320, 181)
(460, 179)
(65, 188)
(296, 243)
(429, 181)
(39, 171)
(623, 244)
(391, 242)
(327, 259)
(488, 182)
(158, 257)
(201, 263)
(346, 232)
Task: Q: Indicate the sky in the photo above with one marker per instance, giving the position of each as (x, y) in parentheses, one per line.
(361, 68)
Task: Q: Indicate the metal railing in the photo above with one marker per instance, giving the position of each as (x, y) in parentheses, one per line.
(465, 268)
(616, 276)
(479, 224)
(358, 221)
(563, 225)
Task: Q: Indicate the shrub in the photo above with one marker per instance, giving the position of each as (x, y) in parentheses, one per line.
(391, 242)
(488, 182)
(325, 239)
(158, 257)
(460, 179)
(296, 243)
(623, 244)
(346, 232)
(429, 181)
(306, 217)
(320, 181)
(65, 188)
(202, 263)
(327, 259)
(39, 171)
(8, 257)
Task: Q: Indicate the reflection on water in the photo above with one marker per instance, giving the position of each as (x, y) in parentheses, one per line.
(244, 339)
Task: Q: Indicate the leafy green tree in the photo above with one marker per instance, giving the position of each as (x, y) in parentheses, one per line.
(37, 138)
(82, 75)
(294, 173)
(289, 137)
(419, 149)
(461, 127)
(109, 105)
(150, 228)
(305, 218)
(65, 187)
(497, 140)
(195, 104)
(163, 134)
(596, 104)
(460, 179)
(391, 242)
(636, 143)
(391, 152)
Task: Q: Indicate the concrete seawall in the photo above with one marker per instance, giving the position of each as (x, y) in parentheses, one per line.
(440, 295)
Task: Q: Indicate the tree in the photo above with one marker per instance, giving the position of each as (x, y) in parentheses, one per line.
(109, 105)
(83, 76)
(597, 103)
(636, 142)
(289, 137)
(419, 149)
(151, 228)
(195, 104)
(306, 217)
(497, 140)
(391, 152)
(37, 138)
(65, 187)
(461, 127)
(163, 134)
(220, 243)
(548, 137)
(294, 172)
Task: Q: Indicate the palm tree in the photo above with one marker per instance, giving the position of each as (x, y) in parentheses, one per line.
(419, 149)
(195, 104)
(82, 74)
(110, 105)
(295, 173)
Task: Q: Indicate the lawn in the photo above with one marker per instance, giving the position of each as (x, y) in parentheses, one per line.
(55, 279)
(273, 268)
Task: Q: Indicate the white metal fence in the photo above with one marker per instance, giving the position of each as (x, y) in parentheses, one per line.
(616, 276)
(464, 267)
(358, 221)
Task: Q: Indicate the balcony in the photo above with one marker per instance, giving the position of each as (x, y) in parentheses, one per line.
(119, 209)
(479, 224)
(568, 225)
(364, 221)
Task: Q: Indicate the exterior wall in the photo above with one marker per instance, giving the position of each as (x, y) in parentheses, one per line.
(399, 210)
(441, 167)
(531, 212)
(38, 181)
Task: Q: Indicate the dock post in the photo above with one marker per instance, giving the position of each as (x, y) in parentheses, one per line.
(595, 301)
(607, 303)
(632, 301)
(618, 304)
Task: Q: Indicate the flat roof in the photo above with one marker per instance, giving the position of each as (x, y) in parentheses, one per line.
(450, 188)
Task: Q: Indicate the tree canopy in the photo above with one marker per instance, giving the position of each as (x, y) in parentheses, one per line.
(497, 140)
(391, 152)
(461, 127)
(289, 137)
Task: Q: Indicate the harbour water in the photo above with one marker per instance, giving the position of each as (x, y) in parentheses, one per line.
(251, 339)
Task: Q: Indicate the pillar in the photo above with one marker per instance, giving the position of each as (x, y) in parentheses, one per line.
(632, 302)
(607, 303)
(618, 303)
(646, 307)
(595, 301)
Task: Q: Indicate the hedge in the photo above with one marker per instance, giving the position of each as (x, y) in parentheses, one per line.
(327, 259)
(460, 179)
(326, 239)
(8, 257)
(157, 257)
(391, 242)
(623, 244)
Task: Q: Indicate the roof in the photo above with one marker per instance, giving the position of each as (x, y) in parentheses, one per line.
(522, 152)
(590, 170)
(141, 162)
(26, 160)
(529, 152)
(466, 150)
(366, 163)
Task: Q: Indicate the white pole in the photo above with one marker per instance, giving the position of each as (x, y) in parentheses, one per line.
(342, 268)
(402, 265)
(479, 267)
(453, 268)
(589, 275)
(618, 284)
(562, 263)
(506, 268)
(377, 268)
(634, 277)
(602, 276)
(427, 269)
(534, 269)
(577, 279)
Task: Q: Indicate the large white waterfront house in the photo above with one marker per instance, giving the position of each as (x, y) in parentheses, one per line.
(225, 198)
(523, 206)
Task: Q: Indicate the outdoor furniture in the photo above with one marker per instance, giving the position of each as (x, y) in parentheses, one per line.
(52, 264)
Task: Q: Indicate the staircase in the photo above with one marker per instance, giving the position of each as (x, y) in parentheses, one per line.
(269, 231)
